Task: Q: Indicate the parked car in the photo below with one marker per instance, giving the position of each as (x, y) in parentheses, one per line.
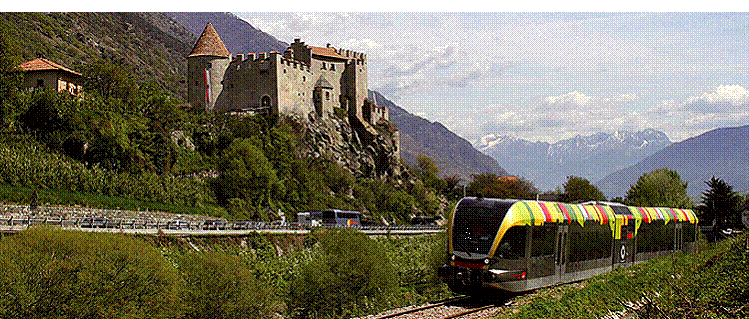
(214, 224)
(93, 222)
(177, 224)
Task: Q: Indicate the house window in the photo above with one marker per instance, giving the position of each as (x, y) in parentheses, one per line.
(40, 83)
(332, 67)
(323, 65)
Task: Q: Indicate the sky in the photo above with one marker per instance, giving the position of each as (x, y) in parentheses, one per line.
(546, 76)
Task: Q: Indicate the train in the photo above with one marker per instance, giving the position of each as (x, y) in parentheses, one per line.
(513, 246)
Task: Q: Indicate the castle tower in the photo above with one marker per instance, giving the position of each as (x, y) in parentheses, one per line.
(206, 66)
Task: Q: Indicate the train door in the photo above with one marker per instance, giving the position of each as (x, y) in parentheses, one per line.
(560, 251)
(678, 238)
(624, 252)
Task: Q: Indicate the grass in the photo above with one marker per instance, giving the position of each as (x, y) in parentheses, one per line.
(711, 284)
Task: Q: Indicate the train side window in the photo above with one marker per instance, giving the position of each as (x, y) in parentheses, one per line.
(543, 240)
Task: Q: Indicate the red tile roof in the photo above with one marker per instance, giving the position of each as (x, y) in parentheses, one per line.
(328, 52)
(42, 64)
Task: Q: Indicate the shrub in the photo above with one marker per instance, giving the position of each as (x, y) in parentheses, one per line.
(218, 285)
(348, 275)
(52, 273)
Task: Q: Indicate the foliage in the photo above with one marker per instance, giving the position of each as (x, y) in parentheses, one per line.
(659, 188)
(493, 186)
(25, 163)
(246, 174)
(711, 284)
(107, 80)
(720, 204)
(220, 285)
(51, 273)
(578, 189)
(348, 275)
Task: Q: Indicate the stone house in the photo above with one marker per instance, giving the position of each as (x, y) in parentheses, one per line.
(41, 73)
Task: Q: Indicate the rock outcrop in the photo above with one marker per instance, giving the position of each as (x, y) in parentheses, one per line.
(367, 151)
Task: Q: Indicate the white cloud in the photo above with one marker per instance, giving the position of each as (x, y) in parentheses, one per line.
(481, 73)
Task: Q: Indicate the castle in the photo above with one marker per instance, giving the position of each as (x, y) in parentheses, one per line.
(309, 81)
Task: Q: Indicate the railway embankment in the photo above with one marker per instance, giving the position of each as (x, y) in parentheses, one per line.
(713, 283)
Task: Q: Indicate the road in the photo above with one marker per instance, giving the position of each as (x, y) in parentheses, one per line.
(14, 218)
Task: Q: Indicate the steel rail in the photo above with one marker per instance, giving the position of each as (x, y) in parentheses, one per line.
(417, 309)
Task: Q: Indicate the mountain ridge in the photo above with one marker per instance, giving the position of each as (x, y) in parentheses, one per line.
(589, 156)
(452, 154)
(721, 152)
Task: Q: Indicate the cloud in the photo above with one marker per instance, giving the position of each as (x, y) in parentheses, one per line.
(724, 99)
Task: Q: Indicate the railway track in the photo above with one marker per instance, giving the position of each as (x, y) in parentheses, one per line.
(458, 307)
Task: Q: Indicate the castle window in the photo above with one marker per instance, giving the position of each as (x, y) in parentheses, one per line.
(209, 65)
(265, 101)
(284, 71)
(304, 79)
(196, 83)
(327, 96)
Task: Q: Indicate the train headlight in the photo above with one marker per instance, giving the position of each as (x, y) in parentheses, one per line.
(452, 257)
(486, 261)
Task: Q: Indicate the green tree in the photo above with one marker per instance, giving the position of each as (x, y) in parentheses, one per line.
(491, 185)
(349, 275)
(107, 80)
(659, 188)
(578, 189)
(219, 285)
(245, 173)
(720, 204)
(428, 172)
(53, 273)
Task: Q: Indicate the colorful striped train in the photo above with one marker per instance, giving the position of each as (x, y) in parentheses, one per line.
(520, 245)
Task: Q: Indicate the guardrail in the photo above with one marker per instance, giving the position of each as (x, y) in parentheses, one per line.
(18, 218)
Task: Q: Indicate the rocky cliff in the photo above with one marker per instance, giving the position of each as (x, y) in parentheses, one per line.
(369, 153)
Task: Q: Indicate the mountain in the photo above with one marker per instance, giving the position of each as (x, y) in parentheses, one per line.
(150, 43)
(452, 154)
(721, 152)
(238, 35)
(592, 157)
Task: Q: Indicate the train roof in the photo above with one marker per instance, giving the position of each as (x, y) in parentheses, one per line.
(537, 213)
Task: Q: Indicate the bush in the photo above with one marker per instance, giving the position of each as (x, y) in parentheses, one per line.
(218, 285)
(51, 273)
(348, 275)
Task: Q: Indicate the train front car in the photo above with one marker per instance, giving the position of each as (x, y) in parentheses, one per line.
(481, 256)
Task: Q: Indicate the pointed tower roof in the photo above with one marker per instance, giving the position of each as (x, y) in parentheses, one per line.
(209, 43)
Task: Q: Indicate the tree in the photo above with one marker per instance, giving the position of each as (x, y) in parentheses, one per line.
(108, 80)
(245, 173)
(578, 189)
(491, 185)
(720, 204)
(659, 188)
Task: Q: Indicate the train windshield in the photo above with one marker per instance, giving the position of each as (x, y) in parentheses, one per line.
(476, 223)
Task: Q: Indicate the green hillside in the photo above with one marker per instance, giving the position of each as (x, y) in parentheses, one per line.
(132, 142)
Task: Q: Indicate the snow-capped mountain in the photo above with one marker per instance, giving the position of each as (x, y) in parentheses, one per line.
(592, 156)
